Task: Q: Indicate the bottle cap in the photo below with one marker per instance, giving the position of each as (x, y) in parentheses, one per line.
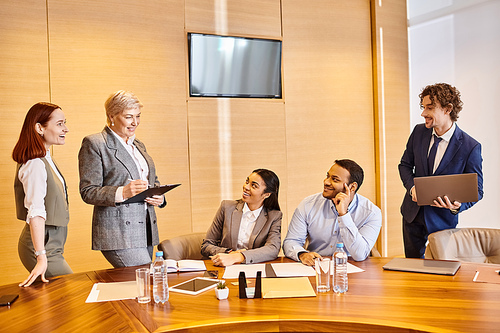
(340, 245)
(159, 254)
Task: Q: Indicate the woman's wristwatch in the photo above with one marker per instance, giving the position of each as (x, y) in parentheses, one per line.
(38, 253)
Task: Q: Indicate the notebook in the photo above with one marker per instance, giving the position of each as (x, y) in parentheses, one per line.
(461, 188)
(441, 267)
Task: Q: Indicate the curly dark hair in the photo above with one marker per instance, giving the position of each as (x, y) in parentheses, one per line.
(445, 94)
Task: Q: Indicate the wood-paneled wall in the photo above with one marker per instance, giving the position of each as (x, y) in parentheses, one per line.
(392, 116)
(24, 74)
(76, 53)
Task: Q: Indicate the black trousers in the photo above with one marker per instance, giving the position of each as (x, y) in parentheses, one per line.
(415, 236)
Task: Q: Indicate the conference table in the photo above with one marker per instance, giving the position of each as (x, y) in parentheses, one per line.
(377, 301)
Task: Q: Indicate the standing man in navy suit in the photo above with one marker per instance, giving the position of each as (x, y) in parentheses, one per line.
(437, 147)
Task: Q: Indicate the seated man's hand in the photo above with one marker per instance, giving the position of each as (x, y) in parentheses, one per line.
(342, 200)
(307, 258)
(444, 202)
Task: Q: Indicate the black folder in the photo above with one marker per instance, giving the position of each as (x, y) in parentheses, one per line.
(159, 190)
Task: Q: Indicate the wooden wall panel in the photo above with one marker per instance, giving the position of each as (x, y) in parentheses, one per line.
(228, 138)
(97, 48)
(93, 48)
(391, 74)
(245, 18)
(328, 86)
(24, 82)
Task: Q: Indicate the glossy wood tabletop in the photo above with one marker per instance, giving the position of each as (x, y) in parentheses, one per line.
(377, 300)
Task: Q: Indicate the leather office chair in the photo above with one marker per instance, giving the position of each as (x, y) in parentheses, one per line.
(183, 247)
(465, 244)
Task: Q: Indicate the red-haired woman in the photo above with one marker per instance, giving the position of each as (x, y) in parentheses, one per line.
(40, 193)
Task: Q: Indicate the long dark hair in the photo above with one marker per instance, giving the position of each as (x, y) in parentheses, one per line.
(31, 144)
(272, 186)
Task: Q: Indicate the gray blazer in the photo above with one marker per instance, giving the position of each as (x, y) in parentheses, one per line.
(104, 166)
(265, 240)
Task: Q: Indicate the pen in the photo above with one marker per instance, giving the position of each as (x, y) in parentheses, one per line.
(130, 180)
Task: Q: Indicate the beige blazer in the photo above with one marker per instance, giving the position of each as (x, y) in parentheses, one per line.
(265, 240)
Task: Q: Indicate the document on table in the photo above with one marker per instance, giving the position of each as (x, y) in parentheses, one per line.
(288, 269)
(112, 291)
(287, 287)
(351, 269)
(233, 271)
(488, 274)
(292, 269)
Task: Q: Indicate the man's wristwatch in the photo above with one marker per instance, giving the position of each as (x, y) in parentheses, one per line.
(454, 211)
(38, 253)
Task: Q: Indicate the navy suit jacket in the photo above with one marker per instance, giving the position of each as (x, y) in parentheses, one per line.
(463, 155)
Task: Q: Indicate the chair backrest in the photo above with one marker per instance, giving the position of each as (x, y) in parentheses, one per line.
(465, 244)
(183, 247)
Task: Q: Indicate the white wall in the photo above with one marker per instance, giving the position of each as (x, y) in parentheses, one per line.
(457, 41)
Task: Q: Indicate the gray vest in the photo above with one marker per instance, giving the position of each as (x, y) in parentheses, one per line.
(56, 201)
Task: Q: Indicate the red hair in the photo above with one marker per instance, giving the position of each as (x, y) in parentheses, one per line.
(31, 144)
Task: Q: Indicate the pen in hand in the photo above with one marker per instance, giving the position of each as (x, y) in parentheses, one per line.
(131, 180)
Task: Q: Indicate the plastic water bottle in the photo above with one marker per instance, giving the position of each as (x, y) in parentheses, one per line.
(340, 285)
(160, 282)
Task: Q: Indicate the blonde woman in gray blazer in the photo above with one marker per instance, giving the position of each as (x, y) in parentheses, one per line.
(115, 166)
(247, 230)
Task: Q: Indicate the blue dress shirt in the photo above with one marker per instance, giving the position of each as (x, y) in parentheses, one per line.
(316, 218)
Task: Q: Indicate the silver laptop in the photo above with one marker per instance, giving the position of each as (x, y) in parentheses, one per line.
(461, 188)
(441, 267)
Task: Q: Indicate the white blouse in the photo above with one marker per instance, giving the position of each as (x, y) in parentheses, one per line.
(33, 176)
(139, 160)
(246, 226)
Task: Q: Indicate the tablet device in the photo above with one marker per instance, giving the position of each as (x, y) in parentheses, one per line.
(441, 267)
(195, 286)
(158, 190)
(461, 188)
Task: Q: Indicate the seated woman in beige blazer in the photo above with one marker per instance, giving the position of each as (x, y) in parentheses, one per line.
(247, 230)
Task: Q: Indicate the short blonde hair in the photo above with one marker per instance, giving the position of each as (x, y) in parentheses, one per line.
(120, 101)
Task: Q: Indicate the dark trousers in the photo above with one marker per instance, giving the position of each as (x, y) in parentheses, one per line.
(415, 236)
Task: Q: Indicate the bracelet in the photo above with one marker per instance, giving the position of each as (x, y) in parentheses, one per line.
(37, 253)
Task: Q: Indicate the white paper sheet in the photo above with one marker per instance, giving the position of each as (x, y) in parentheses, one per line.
(112, 291)
(232, 272)
(292, 269)
(350, 269)
(281, 270)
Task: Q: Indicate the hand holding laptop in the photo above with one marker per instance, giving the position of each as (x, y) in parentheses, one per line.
(440, 202)
(444, 202)
(445, 191)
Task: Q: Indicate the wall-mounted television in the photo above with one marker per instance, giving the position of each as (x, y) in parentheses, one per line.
(225, 66)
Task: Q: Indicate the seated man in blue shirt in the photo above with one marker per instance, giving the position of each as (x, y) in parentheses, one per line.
(338, 214)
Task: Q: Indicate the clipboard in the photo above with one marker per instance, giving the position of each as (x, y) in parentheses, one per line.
(159, 190)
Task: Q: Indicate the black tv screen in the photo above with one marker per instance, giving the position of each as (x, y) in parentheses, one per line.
(224, 66)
